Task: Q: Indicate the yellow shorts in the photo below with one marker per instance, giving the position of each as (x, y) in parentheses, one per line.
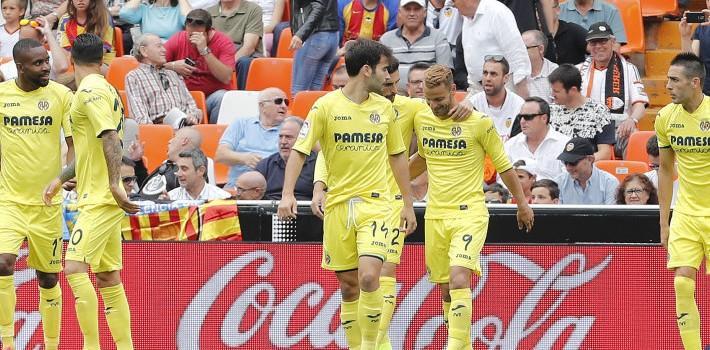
(96, 239)
(41, 226)
(353, 229)
(453, 242)
(394, 238)
(689, 241)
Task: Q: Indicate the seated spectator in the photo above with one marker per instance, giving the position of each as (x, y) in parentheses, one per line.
(496, 100)
(587, 12)
(496, 194)
(415, 42)
(415, 79)
(273, 167)
(154, 91)
(538, 85)
(569, 40)
(537, 140)
(545, 191)
(87, 16)
(192, 168)
(526, 170)
(636, 189)
(250, 185)
(247, 140)
(40, 30)
(241, 21)
(443, 16)
(163, 18)
(128, 175)
(164, 179)
(212, 54)
(627, 105)
(584, 183)
(491, 29)
(12, 13)
(133, 150)
(698, 42)
(575, 115)
(368, 19)
(272, 11)
(339, 77)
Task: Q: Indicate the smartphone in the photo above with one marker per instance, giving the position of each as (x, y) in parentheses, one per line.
(695, 17)
(190, 62)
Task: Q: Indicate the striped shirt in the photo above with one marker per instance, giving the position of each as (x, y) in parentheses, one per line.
(152, 92)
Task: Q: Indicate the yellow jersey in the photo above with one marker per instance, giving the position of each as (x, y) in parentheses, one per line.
(355, 140)
(688, 135)
(96, 108)
(30, 140)
(454, 154)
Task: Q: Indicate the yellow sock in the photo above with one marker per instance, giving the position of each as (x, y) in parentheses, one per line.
(388, 286)
(460, 319)
(50, 307)
(687, 314)
(118, 316)
(7, 311)
(348, 318)
(86, 305)
(369, 313)
(446, 305)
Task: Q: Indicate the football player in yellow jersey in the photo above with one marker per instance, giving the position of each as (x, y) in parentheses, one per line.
(358, 135)
(97, 125)
(683, 130)
(33, 112)
(456, 219)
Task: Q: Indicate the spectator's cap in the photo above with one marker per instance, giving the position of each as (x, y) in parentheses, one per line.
(403, 3)
(599, 30)
(528, 165)
(576, 149)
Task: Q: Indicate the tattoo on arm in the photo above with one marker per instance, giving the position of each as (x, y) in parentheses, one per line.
(69, 172)
(113, 152)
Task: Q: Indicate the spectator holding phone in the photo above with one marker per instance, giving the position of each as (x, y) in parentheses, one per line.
(698, 41)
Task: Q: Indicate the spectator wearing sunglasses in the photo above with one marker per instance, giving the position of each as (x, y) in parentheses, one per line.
(204, 57)
(537, 140)
(584, 183)
(152, 90)
(247, 140)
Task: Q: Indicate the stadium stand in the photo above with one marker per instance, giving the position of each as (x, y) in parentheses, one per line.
(238, 104)
(303, 101)
(270, 72)
(621, 168)
(118, 69)
(155, 137)
(211, 133)
(636, 149)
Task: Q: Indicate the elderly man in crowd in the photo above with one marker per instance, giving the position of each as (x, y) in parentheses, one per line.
(538, 85)
(247, 140)
(251, 185)
(584, 183)
(154, 91)
(192, 167)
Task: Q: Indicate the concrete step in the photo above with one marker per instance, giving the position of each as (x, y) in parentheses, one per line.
(657, 61)
(656, 90)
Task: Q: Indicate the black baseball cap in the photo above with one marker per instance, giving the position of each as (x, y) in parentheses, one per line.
(599, 30)
(576, 149)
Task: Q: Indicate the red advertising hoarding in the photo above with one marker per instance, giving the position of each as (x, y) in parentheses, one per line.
(275, 296)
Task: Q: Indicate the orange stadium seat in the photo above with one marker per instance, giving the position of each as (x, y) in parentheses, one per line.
(636, 149)
(270, 72)
(201, 102)
(118, 69)
(303, 102)
(155, 137)
(651, 8)
(630, 11)
(233, 81)
(118, 41)
(621, 168)
(282, 50)
(211, 133)
(124, 100)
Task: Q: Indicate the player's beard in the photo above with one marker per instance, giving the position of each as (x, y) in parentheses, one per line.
(442, 110)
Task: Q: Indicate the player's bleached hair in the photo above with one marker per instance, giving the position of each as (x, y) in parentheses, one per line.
(198, 158)
(437, 75)
(693, 67)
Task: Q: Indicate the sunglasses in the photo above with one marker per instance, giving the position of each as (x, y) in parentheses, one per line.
(33, 24)
(573, 163)
(128, 179)
(195, 21)
(529, 117)
(278, 101)
(497, 58)
(532, 47)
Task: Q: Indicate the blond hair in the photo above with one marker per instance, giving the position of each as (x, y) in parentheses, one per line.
(438, 74)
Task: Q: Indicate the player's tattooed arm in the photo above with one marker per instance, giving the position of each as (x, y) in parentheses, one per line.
(68, 173)
(112, 153)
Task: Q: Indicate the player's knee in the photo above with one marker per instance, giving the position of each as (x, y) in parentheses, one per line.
(47, 280)
(369, 281)
(7, 264)
(459, 279)
(108, 279)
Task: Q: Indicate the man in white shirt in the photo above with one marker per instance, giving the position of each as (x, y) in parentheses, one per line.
(538, 85)
(192, 166)
(538, 140)
(626, 101)
(495, 99)
(42, 32)
(443, 15)
(489, 28)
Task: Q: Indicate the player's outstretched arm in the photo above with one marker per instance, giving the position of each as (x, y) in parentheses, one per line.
(113, 153)
(68, 173)
(665, 190)
(400, 170)
(288, 205)
(526, 217)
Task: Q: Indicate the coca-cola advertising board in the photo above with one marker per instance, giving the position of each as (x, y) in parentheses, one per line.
(189, 296)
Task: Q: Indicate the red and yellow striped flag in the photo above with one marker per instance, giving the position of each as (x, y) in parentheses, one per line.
(159, 226)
